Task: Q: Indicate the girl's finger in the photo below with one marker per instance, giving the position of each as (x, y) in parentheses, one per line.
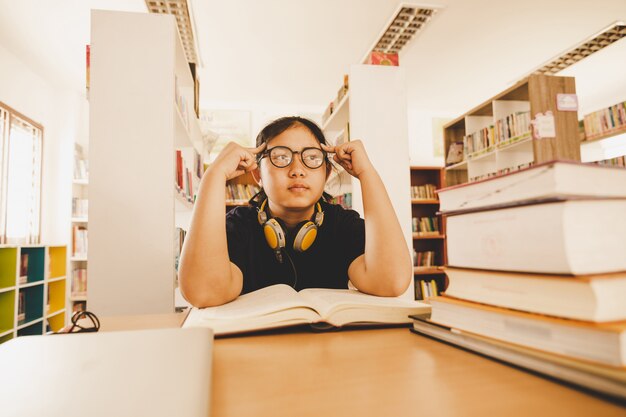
(258, 149)
(343, 154)
(252, 166)
(328, 149)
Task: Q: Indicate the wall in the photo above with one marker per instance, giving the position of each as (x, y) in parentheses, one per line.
(421, 144)
(58, 110)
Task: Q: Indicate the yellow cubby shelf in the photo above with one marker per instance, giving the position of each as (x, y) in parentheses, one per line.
(58, 261)
(8, 266)
(56, 295)
(33, 289)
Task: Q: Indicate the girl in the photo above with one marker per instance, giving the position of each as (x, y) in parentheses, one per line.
(290, 234)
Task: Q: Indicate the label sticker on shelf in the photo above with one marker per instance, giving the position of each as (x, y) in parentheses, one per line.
(567, 102)
(543, 125)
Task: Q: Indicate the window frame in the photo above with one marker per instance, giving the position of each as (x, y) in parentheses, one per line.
(5, 131)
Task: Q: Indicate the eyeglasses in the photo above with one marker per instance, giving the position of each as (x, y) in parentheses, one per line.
(282, 156)
(91, 323)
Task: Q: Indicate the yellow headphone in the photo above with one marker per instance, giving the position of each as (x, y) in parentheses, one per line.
(305, 232)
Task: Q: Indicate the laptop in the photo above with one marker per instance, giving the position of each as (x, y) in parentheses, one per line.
(156, 373)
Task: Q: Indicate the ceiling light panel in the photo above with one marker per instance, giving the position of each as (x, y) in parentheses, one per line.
(598, 42)
(178, 9)
(406, 23)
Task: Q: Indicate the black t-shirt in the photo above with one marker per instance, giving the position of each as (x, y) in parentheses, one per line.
(340, 240)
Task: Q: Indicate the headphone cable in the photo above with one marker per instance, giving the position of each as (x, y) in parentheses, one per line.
(293, 267)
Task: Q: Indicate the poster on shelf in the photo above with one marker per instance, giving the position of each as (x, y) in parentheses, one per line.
(437, 125)
(226, 126)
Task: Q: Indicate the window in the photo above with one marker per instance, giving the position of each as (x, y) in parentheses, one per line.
(20, 174)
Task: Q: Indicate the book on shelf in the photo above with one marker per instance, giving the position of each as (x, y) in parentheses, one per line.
(618, 161)
(79, 282)
(600, 378)
(80, 207)
(597, 298)
(21, 306)
(423, 192)
(573, 237)
(547, 180)
(240, 193)
(81, 168)
(480, 141)
(602, 343)
(425, 226)
(512, 128)
(187, 168)
(79, 241)
(332, 106)
(23, 277)
(79, 306)
(179, 240)
(344, 200)
(281, 306)
(425, 289)
(605, 121)
(456, 153)
(424, 258)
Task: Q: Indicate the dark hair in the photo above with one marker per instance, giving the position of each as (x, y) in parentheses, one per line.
(277, 127)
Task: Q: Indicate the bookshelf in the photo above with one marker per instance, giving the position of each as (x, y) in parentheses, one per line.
(373, 109)
(498, 153)
(239, 190)
(145, 150)
(32, 290)
(603, 135)
(605, 123)
(80, 221)
(428, 230)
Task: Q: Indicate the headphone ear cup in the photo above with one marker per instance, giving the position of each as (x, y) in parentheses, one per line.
(307, 232)
(274, 234)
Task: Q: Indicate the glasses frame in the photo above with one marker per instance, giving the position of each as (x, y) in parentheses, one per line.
(79, 315)
(269, 150)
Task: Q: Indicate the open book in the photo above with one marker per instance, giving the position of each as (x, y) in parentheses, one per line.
(280, 306)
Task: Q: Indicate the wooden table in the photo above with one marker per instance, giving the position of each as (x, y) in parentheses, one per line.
(376, 372)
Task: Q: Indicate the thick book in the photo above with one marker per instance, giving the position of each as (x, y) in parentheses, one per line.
(573, 237)
(602, 343)
(597, 298)
(282, 306)
(600, 378)
(556, 179)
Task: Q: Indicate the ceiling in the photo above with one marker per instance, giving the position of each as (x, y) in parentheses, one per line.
(294, 53)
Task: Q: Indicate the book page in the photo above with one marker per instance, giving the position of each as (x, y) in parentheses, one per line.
(326, 301)
(264, 301)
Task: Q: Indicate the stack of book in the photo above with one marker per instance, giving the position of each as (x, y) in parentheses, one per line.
(537, 272)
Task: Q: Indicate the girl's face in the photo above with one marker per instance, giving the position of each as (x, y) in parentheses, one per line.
(296, 186)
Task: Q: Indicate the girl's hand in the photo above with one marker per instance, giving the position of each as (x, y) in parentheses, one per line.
(351, 156)
(235, 160)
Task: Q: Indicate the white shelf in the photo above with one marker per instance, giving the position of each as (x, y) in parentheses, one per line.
(188, 135)
(478, 155)
(340, 117)
(56, 313)
(56, 279)
(181, 202)
(80, 182)
(78, 298)
(80, 220)
(31, 284)
(515, 143)
(78, 259)
(7, 289)
(460, 166)
(30, 323)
